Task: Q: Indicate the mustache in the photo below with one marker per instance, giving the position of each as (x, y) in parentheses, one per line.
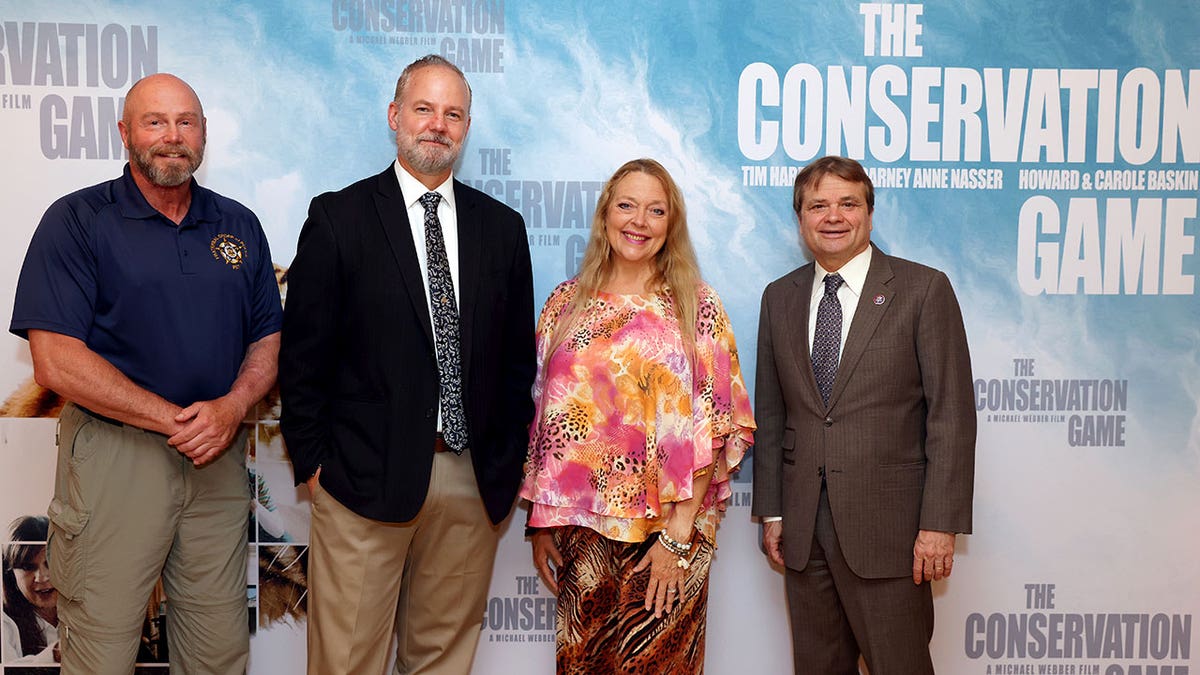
(173, 149)
(436, 138)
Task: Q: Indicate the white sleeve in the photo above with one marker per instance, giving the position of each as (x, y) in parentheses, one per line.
(11, 650)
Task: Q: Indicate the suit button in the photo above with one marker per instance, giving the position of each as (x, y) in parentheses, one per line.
(828, 421)
(429, 413)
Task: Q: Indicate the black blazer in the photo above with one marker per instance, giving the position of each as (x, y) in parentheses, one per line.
(357, 371)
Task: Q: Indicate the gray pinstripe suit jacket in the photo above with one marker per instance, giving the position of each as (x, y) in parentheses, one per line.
(897, 440)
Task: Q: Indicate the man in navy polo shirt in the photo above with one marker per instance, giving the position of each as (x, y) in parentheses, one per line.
(150, 304)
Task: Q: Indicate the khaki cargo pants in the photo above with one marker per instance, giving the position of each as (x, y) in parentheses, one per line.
(128, 508)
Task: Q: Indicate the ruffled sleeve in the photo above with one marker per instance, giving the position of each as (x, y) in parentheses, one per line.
(721, 404)
(547, 323)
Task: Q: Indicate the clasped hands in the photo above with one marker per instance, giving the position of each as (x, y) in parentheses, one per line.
(206, 428)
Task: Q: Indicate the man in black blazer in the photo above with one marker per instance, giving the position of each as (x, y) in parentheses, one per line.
(412, 452)
(865, 449)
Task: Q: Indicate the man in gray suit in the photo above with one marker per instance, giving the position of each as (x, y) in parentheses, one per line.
(865, 450)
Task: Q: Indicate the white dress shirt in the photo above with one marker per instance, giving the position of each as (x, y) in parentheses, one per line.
(854, 277)
(447, 212)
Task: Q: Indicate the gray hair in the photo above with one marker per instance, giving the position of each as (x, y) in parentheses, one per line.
(425, 62)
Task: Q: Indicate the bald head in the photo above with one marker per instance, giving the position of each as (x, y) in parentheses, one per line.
(164, 130)
(154, 89)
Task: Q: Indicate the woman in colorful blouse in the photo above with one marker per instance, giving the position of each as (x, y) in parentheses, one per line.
(641, 416)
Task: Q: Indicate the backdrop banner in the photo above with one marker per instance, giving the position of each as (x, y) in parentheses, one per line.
(1046, 156)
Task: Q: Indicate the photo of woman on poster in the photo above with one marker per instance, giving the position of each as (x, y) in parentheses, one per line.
(30, 619)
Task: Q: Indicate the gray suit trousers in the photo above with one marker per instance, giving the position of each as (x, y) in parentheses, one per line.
(837, 614)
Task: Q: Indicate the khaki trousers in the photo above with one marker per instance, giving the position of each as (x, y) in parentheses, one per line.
(128, 508)
(424, 581)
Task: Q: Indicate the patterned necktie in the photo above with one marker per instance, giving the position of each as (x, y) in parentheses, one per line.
(828, 337)
(445, 328)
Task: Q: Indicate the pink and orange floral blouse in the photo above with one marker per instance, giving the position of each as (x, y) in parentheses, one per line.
(624, 422)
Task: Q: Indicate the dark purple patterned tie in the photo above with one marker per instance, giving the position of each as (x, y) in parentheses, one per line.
(828, 337)
(445, 327)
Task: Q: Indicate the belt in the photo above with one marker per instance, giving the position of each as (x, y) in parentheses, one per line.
(102, 418)
(439, 443)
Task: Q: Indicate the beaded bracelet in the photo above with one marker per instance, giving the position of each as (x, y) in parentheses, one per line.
(682, 563)
(678, 548)
(671, 549)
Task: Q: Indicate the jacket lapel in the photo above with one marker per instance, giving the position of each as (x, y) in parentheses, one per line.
(393, 219)
(799, 304)
(877, 296)
(470, 258)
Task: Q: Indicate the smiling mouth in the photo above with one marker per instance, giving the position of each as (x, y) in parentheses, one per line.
(635, 238)
(171, 153)
(436, 140)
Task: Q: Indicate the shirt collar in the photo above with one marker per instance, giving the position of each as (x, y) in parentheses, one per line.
(854, 272)
(413, 189)
(133, 203)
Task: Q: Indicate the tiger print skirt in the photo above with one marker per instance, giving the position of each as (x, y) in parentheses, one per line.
(602, 625)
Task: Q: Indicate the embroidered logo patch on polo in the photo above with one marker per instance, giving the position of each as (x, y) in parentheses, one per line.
(228, 248)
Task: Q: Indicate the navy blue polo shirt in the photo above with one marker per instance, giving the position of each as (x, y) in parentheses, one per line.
(172, 307)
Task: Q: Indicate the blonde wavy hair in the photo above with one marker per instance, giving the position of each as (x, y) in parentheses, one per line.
(676, 271)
